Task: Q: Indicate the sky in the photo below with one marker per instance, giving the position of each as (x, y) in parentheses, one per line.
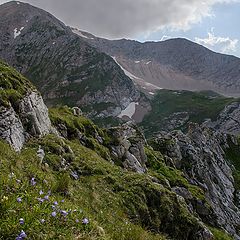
(212, 23)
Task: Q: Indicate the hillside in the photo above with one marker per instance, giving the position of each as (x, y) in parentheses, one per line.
(175, 64)
(78, 181)
(64, 68)
(172, 110)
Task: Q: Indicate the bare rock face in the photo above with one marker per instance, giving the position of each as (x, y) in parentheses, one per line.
(28, 118)
(11, 128)
(228, 120)
(200, 155)
(128, 145)
(34, 114)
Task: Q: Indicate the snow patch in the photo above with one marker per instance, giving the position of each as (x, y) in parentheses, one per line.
(129, 111)
(125, 70)
(148, 62)
(151, 93)
(18, 3)
(137, 61)
(16, 32)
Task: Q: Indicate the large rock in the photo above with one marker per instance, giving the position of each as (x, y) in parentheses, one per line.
(128, 146)
(28, 118)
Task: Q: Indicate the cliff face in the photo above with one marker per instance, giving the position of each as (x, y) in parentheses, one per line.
(22, 110)
(200, 154)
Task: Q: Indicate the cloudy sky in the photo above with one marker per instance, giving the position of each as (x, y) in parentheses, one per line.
(212, 23)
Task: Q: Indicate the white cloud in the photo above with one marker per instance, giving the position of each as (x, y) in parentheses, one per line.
(128, 18)
(223, 44)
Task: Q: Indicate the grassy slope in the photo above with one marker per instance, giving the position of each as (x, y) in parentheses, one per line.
(200, 106)
(118, 204)
(13, 85)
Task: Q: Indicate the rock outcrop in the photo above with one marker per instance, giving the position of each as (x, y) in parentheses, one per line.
(228, 120)
(200, 155)
(23, 113)
(29, 118)
(128, 146)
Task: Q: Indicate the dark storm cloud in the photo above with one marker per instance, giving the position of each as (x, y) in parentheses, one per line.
(127, 18)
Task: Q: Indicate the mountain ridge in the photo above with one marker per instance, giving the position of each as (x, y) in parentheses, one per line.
(175, 64)
(65, 69)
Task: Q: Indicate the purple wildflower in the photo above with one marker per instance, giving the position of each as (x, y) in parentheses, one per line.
(62, 201)
(21, 221)
(42, 221)
(33, 182)
(19, 199)
(64, 213)
(46, 197)
(54, 214)
(41, 200)
(21, 236)
(55, 203)
(53, 206)
(77, 221)
(41, 192)
(85, 221)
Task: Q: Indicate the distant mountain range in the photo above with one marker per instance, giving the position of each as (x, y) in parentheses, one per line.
(175, 64)
(107, 78)
(64, 67)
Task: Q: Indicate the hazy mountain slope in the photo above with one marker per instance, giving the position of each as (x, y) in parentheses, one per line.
(173, 110)
(174, 64)
(62, 66)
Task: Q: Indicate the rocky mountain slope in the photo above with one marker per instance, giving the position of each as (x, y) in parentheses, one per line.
(65, 69)
(176, 64)
(22, 111)
(84, 182)
(172, 110)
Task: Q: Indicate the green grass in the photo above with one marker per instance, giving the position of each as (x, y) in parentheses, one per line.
(199, 106)
(13, 86)
(119, 204)
(92, 196)
(220, 234)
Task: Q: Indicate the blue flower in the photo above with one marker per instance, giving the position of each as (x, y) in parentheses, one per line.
(64, 213)
(77, 221)
(41, 192)
(85, 221)
(33, 182)
(54, 214)
(19, 199)
(21, 221)
(42, 221)
(55, 203)
(46, 197)
(21, 236)
(41, 200)
(62, 201)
